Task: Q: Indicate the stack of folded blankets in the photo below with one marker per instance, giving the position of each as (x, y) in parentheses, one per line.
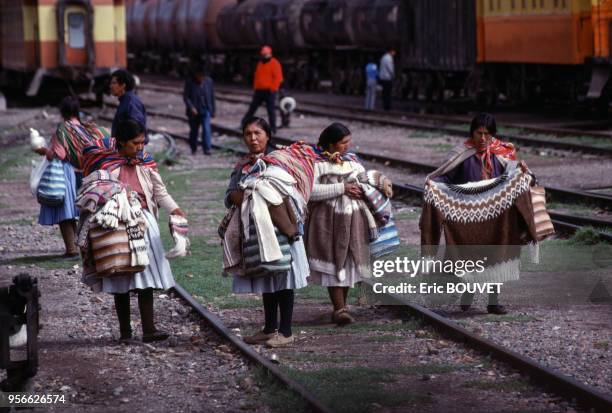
(111, 228)
(258, 237)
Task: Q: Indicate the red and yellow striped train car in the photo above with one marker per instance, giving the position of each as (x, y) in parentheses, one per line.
(77, 41)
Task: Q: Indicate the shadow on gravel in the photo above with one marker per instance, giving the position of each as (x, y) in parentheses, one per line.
(44, 261)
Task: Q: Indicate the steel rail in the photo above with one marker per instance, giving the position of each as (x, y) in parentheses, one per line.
(217, 325)
(561, 384)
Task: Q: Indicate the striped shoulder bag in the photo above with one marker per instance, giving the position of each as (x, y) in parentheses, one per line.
(52, 186)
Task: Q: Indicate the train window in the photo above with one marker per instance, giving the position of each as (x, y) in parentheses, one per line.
(76, 30)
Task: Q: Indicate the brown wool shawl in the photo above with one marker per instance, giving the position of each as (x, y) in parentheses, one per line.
(338, 228)
(497, 212)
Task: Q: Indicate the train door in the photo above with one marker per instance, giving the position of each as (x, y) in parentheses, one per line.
(74, 22)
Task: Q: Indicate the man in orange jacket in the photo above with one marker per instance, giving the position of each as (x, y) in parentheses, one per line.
(267, 81)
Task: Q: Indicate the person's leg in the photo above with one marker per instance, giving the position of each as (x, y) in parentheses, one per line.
(466, 300)
(494, 307)
(270, 312)
(374, 87)
(387, 94)
(206, 132)
(256, 101)
(369, 98)
(340, 315)
(271, 106)
(122, 307)
(285, 300)
(145, 304)
(194, 125)
(336, 295)
(68, 230)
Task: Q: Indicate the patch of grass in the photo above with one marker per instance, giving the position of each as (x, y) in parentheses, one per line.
(321, 358)
(585, 236)
(406, 325)
(12, 158)
(510, 385)
(602, 345)
(407, 215)
(570, 255)
(582, 209)
(358, 389)
(277, 396)
(43, 261)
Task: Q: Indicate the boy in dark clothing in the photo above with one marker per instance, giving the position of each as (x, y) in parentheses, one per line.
(199, 98)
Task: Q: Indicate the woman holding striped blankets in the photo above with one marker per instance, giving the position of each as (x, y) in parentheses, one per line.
(253, 274)
(341, 222)
(110, 169)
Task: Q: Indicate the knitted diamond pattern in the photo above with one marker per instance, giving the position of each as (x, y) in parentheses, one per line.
(477, 201)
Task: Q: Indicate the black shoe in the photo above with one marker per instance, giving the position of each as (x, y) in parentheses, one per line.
(126, 337)
(207, 153)
(156, 336)
(497, 309)
(465, 307)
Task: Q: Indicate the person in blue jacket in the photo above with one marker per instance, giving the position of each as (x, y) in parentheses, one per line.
(122, 86)
(371, 73)
(199, 98)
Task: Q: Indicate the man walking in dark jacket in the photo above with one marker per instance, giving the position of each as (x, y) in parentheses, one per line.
(122, 86)
(199, 98)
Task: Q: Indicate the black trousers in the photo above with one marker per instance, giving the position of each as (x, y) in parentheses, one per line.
(282, 300)
(387, 86)
(263, 96)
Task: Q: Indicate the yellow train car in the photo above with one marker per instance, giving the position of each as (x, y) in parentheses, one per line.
(77, 41)
(560, 45)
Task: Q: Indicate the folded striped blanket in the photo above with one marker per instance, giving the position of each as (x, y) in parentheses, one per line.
(298, 161)
(252, 262)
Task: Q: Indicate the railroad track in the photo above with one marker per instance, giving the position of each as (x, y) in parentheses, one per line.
(217, 325)
(544, 376)
(348, 113)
